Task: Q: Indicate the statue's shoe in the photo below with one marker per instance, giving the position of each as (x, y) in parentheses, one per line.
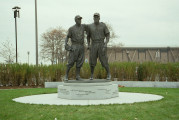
(78, 78)
(66, 78)
(91, 78)
(108, 77)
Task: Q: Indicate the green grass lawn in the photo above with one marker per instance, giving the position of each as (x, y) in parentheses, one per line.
(165, 109)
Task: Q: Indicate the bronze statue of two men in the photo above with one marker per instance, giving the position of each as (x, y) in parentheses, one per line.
(97, 38)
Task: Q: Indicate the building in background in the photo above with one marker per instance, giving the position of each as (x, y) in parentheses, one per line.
(143, 54)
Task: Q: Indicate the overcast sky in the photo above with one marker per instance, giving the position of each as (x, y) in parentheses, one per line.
(139, 23)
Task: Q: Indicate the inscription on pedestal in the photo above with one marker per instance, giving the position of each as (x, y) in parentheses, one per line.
(64, 91)
(87, 91)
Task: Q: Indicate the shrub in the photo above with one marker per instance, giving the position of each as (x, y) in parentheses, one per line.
(24, 74)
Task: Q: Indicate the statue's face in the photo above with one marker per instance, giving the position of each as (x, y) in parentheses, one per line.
(96, 19)
(78, 21)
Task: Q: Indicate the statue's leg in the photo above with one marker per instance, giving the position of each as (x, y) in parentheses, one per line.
(104, 61)
(78, 74)
(80, 61)
(108, 72)
(93, 59)
(92, 72)
(67, 72)
(70, 64)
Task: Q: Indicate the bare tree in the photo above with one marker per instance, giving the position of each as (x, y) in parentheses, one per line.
(113, 46)
(111, 30)
(112, 33)
(113, 36)
(52, 45)
(7, 51)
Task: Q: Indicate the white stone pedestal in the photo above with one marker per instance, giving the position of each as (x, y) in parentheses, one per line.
(88, 91)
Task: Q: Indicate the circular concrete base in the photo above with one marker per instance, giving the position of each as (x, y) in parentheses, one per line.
(52, 99)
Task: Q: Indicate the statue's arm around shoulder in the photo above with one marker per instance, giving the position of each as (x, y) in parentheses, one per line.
(88, 34)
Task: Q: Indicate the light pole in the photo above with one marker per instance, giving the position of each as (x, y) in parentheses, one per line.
(28, 56)
(36, 32)
(127, 52)
(16, 14)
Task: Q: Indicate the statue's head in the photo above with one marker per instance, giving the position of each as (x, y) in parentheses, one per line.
(96, 17)
(78, 19)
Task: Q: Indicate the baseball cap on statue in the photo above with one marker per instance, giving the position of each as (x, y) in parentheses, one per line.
(78, 17)
(96, 14)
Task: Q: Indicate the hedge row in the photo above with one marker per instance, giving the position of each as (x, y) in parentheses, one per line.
(24, 74)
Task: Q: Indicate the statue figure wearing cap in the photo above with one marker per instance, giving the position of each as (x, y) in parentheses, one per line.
(97, 38)
(76, 50)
